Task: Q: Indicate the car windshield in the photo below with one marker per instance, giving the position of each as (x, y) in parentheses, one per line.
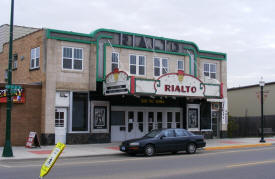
(153, 133)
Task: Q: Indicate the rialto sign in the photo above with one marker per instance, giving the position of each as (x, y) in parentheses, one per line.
(170, 84)
(179, 84)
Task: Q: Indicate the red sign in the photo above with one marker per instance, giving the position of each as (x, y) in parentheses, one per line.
(20, 98)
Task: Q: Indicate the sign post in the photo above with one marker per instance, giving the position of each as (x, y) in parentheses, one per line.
(7, 151)
(49, 163)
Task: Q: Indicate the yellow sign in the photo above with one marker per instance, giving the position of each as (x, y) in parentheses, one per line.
(48, 164)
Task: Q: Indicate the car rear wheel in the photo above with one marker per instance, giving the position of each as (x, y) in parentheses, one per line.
(191, 148)
(149, 150)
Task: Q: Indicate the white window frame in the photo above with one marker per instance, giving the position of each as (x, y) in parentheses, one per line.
(161, 66)
(182, 64)
(73, 59)
(137, 65)
(34, 58)
(114, 62)
(209, 71)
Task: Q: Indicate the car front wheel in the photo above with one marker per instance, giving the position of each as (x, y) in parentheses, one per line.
(191, 148)
(149, 150)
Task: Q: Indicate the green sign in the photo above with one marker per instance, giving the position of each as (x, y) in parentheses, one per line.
(13, 87)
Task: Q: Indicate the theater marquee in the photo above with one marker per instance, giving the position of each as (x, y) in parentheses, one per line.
(179, 84)
(170, 84)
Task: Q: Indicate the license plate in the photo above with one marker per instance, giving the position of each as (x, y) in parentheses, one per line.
(123, 148)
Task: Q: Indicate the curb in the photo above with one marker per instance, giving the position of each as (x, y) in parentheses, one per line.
(237, 146)
(61, 157)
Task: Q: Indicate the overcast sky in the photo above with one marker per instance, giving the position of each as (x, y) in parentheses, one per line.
(243, 29)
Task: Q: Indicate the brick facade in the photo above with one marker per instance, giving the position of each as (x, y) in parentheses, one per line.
(25, 117)
(22, 47)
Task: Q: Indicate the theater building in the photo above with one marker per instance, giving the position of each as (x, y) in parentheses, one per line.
(111, 85)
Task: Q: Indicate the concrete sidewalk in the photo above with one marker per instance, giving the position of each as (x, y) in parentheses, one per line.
(83, 150)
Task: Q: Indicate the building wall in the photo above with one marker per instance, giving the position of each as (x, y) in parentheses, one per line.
(245, 102)
(65, 80)
(18, 31)
(24, 117)
(124, 61)
(22, 47)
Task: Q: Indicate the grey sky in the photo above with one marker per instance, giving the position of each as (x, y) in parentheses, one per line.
(244, 29)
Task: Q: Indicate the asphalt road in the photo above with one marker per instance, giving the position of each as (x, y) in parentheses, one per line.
(251, 163)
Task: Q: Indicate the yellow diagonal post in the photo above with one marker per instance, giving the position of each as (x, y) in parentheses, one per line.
(49, 163)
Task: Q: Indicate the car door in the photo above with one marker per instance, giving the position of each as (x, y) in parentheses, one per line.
(182, 139)
(166, 141)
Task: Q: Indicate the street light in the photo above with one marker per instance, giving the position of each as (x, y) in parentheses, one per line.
(262, 83)
(7, 150)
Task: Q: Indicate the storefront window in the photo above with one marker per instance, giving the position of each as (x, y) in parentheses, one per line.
(80, 112)
(193, 118)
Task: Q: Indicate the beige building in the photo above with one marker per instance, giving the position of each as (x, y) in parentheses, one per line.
(112, 85)
(244, 106)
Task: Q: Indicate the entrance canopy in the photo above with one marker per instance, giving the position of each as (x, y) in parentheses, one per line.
(169, 84)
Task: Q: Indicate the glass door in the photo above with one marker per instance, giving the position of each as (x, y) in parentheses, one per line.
(135, 124)
(60, 125)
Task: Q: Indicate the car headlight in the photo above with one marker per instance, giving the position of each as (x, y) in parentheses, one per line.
(134, 144)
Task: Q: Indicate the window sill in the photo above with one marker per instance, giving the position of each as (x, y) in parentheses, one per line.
(33, 69)
(71, 71)
(14, 69)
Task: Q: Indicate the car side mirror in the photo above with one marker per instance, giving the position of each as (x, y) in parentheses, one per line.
(163, 136)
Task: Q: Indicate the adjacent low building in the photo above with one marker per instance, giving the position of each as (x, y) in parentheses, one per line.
(244, 106)
(112, 85)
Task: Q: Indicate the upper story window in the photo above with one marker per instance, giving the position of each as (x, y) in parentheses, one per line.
(181, 65)
(137, 65)
(160, 66)
(115, 60)
(210, 70)
(35, 56)
(72, 58)
(15, 62)
(6, 74)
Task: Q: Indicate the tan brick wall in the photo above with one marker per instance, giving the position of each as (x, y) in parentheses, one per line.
(22, 47)
(25, 117)
(124, 58)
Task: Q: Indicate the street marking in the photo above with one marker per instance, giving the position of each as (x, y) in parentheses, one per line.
(252, 163)
(4, 166)
(237, 146)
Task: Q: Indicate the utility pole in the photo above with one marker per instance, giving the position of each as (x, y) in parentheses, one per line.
(262, 83)
(7, 151)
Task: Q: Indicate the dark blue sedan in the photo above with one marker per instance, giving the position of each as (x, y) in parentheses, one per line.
(164, 140)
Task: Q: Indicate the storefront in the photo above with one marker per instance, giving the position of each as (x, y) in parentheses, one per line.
(137, 106)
